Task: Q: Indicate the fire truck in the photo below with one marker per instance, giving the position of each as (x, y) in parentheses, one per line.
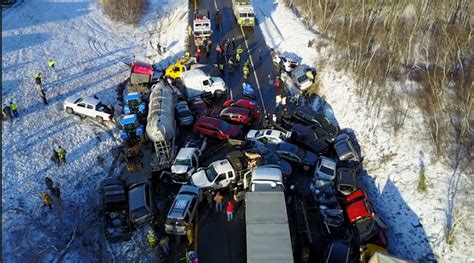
(202, 31)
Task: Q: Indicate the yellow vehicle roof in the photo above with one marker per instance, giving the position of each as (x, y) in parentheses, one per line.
(174, 70)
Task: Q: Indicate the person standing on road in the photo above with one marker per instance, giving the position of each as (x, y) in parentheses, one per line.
(270, 80)
(230, 211)
(189, 234)
(260, 54)
(165, 244)
(209, 198)
(218, 199)
(218, 19)
(276, 83)
(198, 54)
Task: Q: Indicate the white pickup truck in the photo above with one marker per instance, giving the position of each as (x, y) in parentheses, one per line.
(223, 173)
(197, 82)
(187, 160)
(88, 106)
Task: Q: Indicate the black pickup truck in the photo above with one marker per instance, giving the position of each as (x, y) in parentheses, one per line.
(113, 198)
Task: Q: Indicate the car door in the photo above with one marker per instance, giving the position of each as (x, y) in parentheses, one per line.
(90, 111)
(221, 180)
(81, 108)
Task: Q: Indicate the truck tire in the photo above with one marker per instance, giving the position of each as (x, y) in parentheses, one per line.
(99, 119)
(218, 94)
(69, 110)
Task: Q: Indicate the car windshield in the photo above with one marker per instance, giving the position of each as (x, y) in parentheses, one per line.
(247, 14)
(326, 170)
(211, 173)
(186, 162)
(224, 126)
(139, 212)
(301, 153)
(259, 134)
(302, 78)
(366, 228)
(260, 187)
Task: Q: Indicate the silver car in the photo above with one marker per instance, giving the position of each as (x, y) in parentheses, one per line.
(185, 116)
(344, 148)
(183, 210)
(325, 169)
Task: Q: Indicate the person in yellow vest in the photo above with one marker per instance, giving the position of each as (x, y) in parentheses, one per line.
(14, 109)
(51, 63)
(61, 154)
(38, 78)
(151, 238)
(46, 200)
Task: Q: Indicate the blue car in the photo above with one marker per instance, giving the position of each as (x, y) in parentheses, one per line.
(130, 127)
(134, 103)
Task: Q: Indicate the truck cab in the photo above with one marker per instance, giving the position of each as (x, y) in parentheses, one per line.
(140, 73)
(197, 82)
(185, 164)
(244, 12)
(202, 28)
(134, 103)
(131, 128)
(267, 178)
(222, 173)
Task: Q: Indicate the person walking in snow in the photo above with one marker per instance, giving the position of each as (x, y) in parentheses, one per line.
(7, 111)
(52, 63)
(230, 211)
(49, 183)
(38, 78)
(55, 157)
(14, 109)
(61, 154)
(43, 96)
(46, 200)
(151, 238)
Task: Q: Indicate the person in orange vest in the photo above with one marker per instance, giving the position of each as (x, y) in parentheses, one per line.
(46, 200)
(218, 199)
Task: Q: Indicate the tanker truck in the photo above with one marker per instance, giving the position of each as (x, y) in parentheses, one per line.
(161, 125)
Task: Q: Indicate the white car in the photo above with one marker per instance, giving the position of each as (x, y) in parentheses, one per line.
(268, 136)
(300, 78)
(88, 106)
(325, 169)
(218, 174)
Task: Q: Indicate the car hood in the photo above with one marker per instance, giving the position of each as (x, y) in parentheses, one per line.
(179, 169)
(310, 158)
(218, 82)
(199, 179)
(233, 131)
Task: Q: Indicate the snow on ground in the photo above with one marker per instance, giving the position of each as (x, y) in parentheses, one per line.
(415, 221)
(91, 53)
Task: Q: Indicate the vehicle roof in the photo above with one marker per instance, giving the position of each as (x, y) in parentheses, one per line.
(180, 204)
(210, 120)
(222, 166)
(133, 96)
(267, 173)
(128, 119)
(357, 210)
(90, 100)
(188, 189)
(140, 67)
(325, 161)
(185, 153)
(193, 73)
(136, 196)
(246, 9)
(235, 110)
(288, 147)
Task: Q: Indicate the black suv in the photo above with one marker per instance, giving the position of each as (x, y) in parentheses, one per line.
(308, 138)
(315, 120)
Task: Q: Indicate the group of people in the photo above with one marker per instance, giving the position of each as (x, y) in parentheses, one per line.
(218, 200)
(164, 241)
(53, 190)
(10, 112)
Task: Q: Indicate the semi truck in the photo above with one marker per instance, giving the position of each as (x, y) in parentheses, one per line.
(266, 218)
(161, 125)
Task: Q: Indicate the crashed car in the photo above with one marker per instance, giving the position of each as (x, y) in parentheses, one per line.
(345, 149)
(89, 107)
(284, 63)
(268, 136)
(314, 120)
(294, 153)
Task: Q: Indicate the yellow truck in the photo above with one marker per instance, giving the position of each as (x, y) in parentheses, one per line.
(244, 12)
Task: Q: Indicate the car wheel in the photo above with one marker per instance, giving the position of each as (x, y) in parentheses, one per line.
(69, 110)
(99, 119)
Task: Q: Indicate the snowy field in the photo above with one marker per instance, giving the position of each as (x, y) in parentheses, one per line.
(415, 221)
(91, 53)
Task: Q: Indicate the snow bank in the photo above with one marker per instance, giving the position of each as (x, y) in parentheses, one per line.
(92, 53)
(415, 221)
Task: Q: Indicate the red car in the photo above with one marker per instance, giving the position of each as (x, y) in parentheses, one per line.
(244, 104)
(216, 128)
(361, 218)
